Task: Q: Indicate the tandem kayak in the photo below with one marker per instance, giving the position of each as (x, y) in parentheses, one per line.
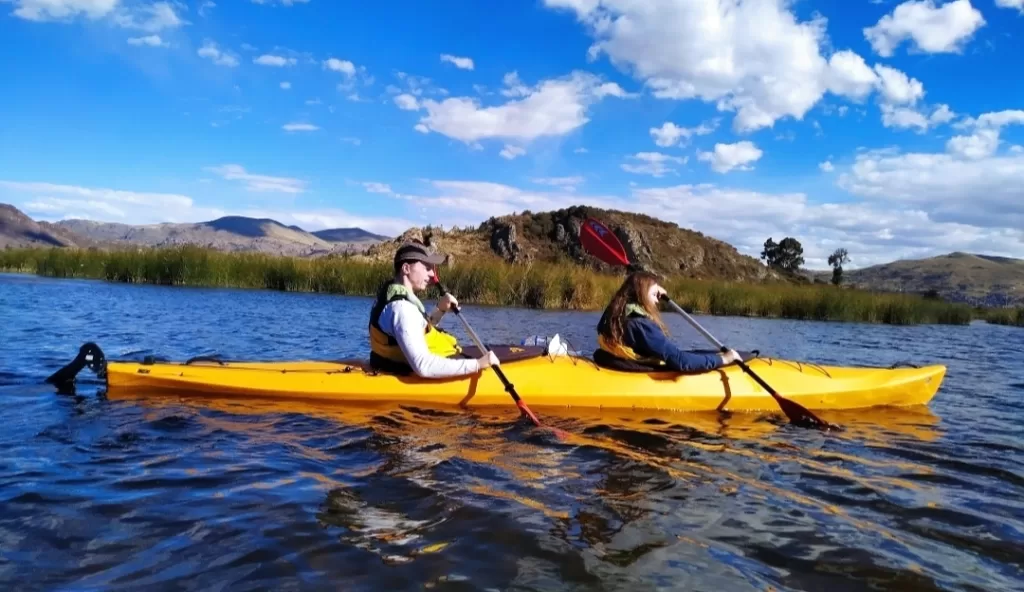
(565, 380)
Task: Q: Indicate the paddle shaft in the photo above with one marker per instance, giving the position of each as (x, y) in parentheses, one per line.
(719, 345)
(792, 410)
(509, 388)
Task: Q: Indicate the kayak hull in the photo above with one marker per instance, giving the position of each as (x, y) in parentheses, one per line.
(559, 381)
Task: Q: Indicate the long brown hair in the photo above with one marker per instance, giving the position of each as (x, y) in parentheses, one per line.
(632, 291)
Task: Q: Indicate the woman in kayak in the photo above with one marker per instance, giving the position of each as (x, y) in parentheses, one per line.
(632, 336)
(403, 338)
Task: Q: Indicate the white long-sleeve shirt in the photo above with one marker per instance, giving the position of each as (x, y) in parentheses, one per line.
(403, 319)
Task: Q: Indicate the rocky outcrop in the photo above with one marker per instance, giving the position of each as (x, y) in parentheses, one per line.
(505, 245)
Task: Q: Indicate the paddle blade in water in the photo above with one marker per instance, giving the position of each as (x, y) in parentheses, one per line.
(602, 243)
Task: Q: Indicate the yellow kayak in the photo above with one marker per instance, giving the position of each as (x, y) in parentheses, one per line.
(564, 380)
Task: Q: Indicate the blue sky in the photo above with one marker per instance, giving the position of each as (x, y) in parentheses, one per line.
(891, 129)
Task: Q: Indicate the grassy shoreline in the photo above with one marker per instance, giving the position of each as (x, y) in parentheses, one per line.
(539, 285)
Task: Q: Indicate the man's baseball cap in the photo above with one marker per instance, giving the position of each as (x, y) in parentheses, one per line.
(416, 251)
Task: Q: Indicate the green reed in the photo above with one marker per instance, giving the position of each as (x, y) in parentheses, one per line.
(1005, 316)
(534, 285)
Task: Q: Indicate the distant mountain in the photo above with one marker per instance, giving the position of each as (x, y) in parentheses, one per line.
(348, 235)
(230, 233)
(18, 230)
(958, 277)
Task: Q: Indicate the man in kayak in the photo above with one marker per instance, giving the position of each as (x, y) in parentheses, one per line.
(631, 335)
(403, 338)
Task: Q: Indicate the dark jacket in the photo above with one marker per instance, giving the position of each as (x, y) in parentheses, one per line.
(646, 339)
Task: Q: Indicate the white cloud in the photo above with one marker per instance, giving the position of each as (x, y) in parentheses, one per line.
(898, 88)
(281, 2)
(206, 6)
(670, 134)
(468, 202)
(827, 166)
(374, 187)
(54, 201)
(210, 51)
(933, 29)
(905, 118)
(510, 152)
(563, 183)
(158, 200)
(942, 114)
(554, 107)
(407, 102)
(285, 85)
(151, 18)
(461, 63)
(259, 183)
(150, 40)
(1018, 4)
(274, 61)
(754, 58)
(873, 232)
(850, 76)
(416, 85)
(47, 10)
(969, 184)
(344, 66)
(655, 164)
(299, 127)
(980, 144)
(727, 157)
(351, 76)
(984, 141)
(352, 140)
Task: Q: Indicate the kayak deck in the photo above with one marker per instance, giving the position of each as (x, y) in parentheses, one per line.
(545, 381)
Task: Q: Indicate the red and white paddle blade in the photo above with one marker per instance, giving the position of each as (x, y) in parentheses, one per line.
(602, 243)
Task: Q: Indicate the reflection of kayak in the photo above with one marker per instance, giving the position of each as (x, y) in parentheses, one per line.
(561, 380)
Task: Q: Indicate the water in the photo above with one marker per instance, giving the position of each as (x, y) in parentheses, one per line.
(126, 493)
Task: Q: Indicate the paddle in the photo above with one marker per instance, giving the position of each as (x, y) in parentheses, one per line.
(509, 388)
(600, 242)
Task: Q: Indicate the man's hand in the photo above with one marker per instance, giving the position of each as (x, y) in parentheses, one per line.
(446, 302)
(487, 360)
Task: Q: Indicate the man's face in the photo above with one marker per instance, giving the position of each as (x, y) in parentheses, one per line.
(420, 274)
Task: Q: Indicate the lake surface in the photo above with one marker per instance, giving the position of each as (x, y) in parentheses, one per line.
(166, 493)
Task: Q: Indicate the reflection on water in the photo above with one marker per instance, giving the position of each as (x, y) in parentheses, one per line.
(105, 492)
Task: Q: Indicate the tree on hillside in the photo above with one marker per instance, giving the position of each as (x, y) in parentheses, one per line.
(787, 254)
(836, 260)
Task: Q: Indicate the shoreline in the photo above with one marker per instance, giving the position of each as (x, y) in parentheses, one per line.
(545, 286)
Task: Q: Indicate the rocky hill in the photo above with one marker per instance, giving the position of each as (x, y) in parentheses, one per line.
(18, 230)
(554, 236)
(958, 277)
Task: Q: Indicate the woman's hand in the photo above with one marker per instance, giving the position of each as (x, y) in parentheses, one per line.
(730, 357)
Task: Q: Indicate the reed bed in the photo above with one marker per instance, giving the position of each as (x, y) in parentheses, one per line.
(1005, 316)
(536, 285)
